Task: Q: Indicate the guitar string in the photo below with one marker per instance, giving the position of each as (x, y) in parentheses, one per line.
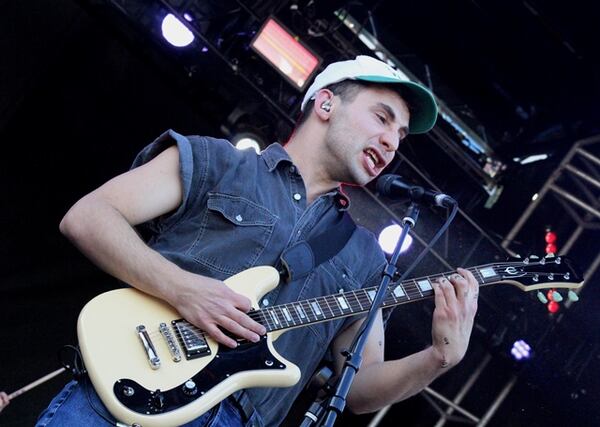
(261, 315)
(360, 295)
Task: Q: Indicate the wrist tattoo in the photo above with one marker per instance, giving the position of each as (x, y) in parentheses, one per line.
(444, 363)
(446, 341)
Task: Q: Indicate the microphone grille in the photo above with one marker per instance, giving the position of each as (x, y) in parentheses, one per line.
(384, 182)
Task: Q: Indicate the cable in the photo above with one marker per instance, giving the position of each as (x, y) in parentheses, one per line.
(77, 368)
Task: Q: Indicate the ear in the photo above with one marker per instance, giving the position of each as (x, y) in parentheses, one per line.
(324, 104)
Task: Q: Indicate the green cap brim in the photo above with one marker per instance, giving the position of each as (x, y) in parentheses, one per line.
(422, 105)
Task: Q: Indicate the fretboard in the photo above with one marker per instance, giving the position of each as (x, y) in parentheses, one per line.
(350, 303)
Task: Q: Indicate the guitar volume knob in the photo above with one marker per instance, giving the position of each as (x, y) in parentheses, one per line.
(189, 388)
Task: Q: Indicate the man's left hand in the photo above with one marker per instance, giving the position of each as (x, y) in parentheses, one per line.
(455, 307)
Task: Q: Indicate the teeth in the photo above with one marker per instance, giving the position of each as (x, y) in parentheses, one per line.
(372, 157)
(371, 162)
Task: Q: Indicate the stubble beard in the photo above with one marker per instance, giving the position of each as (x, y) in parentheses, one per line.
(343, 164)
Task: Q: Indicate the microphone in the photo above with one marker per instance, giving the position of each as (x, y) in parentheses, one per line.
(394, 187)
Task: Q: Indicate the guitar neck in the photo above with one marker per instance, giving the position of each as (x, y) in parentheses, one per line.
(344, 304)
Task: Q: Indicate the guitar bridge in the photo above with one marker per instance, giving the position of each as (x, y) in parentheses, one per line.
(191, 339)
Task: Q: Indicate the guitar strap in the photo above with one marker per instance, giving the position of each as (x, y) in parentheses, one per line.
(304, 256)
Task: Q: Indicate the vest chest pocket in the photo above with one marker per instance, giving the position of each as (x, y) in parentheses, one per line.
(233, 234)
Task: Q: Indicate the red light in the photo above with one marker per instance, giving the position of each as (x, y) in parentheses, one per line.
(553, 307)
(549, 295)
(550, 237)
(550, 248)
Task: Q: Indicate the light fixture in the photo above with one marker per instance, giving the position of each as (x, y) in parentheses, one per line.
(530, 159)
(388, 238)
(175, 32)
(286, 53)
(248, 140)
(521, 350)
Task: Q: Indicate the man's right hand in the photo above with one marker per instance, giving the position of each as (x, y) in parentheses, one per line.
(211, 305)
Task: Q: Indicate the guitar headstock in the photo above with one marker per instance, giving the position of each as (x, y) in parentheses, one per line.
(534, 273)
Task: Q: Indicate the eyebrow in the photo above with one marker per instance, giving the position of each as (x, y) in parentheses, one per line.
(403, 131)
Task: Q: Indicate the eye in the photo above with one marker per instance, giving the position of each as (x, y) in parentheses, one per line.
(382, 118)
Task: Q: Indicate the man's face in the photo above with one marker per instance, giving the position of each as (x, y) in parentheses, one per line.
(364, 134)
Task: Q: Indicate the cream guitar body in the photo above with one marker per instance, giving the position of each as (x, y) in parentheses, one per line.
(165, 392)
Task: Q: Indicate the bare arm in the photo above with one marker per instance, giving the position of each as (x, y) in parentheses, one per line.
(380, 383)
(101, 226)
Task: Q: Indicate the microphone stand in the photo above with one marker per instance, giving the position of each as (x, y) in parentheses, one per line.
(337, 402)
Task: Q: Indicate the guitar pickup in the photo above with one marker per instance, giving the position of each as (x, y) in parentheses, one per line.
(191, 339)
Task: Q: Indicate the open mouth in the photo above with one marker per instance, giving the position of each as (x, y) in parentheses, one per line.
(373, 158)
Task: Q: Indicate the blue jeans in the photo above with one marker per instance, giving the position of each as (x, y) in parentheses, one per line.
(71, 408)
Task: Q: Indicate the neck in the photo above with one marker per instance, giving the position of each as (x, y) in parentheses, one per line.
(304, 148)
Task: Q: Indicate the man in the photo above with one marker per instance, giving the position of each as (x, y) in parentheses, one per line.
(214, 211)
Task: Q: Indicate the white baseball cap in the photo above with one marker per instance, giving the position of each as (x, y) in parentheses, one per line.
(423, 108)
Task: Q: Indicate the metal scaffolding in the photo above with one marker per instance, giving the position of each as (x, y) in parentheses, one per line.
(575, 184)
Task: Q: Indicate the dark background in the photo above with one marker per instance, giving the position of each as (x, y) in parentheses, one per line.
(83, 90)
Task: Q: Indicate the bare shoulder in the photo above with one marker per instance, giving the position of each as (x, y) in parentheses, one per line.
(148, 191)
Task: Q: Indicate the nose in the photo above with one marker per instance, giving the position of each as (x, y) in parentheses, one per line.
(390, 141)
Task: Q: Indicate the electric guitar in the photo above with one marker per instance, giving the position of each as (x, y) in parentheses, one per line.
(151, 367)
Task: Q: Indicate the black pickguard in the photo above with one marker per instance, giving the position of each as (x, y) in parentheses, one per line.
(246, 357)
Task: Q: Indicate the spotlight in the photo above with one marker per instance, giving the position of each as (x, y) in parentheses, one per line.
(245, 140)
(175, 32)
(389, 237)
(521, 351)
(531, 158)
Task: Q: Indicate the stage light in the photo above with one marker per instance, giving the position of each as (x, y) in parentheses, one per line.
(284, 51)
(245, 143)
(530, 159)
(175, 32)
(389, 237)
(246, 140)
(521, 350)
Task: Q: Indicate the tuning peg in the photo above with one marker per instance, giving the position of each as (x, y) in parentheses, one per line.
(556, 296)
(550, 255)
(542, 297)
(573, 296)
(543, 261)
(526, 261)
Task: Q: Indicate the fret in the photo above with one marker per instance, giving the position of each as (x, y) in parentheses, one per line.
(273, 316)
(371, 294)
(295, 314)
(279, 314)
(399, 292)
(287, 315)
(355, 295)
(485, 273)
(326, 299)
(424, 285)
(301, 311)
(309, 306)
(265, 318)
(343, 302)
(292, 310)
(335, 299)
